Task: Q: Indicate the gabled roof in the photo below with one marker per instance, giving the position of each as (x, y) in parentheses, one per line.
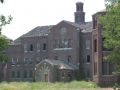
(84, 26)
(62, 64)
(72, 23)
(43, 30)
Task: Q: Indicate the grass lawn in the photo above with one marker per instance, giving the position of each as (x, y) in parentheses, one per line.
(74, 85)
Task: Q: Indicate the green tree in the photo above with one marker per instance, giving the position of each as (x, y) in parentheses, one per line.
(1, 1)
(111, 24)
(3, 41)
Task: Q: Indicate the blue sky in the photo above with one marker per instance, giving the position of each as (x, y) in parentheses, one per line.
(28, 14)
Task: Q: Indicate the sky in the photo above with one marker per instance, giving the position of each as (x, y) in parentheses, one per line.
(28, 14)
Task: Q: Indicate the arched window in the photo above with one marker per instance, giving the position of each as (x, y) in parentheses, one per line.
(66, 43)
(25, 74)
(18, 74)
(30, 74)
(69, 43)
(13, 74)
(60, 44)
(56, 44)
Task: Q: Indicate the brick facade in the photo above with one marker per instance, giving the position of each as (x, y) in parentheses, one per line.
(79, 43)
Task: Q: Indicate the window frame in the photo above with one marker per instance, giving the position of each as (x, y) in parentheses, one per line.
(87, 44)
(25, 61)
(18, 74)
(13, 61)
(18, 61)
(38, 47)
(44, 46)
(31, 47)
(87, 58)
(25, 48)
(13, 74)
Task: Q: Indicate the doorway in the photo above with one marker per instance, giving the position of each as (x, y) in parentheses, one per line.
(46, 77)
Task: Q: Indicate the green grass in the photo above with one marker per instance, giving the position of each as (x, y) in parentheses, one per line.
(74, 85)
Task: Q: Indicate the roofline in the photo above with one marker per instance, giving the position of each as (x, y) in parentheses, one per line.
(43, 61)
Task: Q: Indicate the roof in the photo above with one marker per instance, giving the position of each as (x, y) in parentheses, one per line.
(72, 23)
(79, 2)
(37, 31)
(84, 26)
(43, 30)
(62, 64)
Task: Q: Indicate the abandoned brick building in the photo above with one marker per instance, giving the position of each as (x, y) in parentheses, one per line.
(56, 53)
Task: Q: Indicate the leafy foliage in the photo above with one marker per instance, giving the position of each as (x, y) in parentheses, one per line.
(111, 23)
(3, 41)
(2, 1)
